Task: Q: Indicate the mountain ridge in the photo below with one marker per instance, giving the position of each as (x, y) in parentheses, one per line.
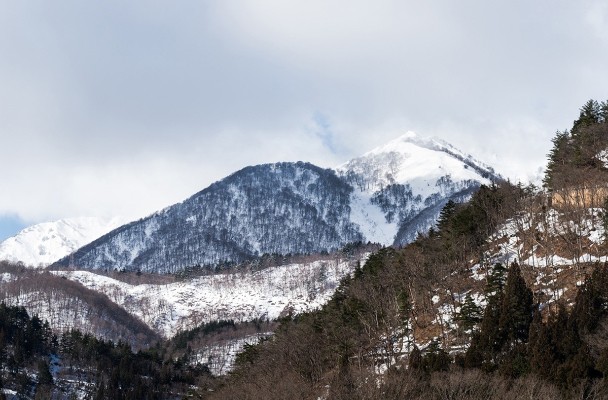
(388, 195)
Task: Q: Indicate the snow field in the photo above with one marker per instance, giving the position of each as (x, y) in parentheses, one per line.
(239, 296)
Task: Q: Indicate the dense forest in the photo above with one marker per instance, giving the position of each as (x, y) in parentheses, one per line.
(37, 363)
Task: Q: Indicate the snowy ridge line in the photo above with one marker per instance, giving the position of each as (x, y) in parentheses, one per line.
(42, 244)
(240, 296)
(291, 208)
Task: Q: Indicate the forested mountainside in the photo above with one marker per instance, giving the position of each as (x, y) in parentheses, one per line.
(179, 331)
(506, 298)
(274, 208)
(36, 363)
(242, 294)
(386, 196)
(66, 305)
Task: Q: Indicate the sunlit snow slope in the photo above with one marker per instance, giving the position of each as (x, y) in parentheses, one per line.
(399, 188)
(238, 296)
(41, 244)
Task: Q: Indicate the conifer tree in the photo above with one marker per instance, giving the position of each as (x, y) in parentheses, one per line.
(496, 280)
(541, 349)
(486, 343)
(557, 160)
(446, 213)
(590, 114)
(470, 314)
(516, 309)
(415, 359)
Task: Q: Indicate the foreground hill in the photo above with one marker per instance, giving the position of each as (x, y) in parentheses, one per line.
(387, 196)
(506, 298)
(67, 305)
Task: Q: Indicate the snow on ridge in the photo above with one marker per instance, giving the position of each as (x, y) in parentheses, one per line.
(239, 296)
(429, 171)
(416, 161)
(42, 244)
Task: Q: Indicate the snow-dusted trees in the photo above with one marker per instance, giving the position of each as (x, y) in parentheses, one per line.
(284, 208)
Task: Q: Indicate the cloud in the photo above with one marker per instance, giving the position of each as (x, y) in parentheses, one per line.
(124, 108)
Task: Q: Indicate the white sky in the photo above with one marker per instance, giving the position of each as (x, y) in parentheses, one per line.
(122, 108)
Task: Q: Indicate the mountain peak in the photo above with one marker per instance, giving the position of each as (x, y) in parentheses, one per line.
(42, 244)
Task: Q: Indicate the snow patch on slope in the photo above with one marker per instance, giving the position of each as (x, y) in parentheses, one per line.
(371, 219)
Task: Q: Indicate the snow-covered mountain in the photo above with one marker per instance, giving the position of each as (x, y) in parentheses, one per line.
(41, 244)
(400, 188)
(387, 196)
(273, 208)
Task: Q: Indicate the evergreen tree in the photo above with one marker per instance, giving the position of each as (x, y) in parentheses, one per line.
(44, 374)
(496, 281)
(590, 114)
(415, 359)
(470, 314)
(435, 358)
(540, 346)
(487, 342)
(445, 215)
(557, 160)
(405, 307)
(604, 112)
(516, 309)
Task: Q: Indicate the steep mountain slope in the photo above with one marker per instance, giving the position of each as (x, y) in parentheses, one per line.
(400, 188)
(386, 196)
(505, 299)
(41, 244)
(273, 208)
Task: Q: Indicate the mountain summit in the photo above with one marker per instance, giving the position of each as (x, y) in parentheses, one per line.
(408, 181)
(387, 195)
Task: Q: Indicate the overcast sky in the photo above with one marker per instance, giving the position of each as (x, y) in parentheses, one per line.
(122, 108)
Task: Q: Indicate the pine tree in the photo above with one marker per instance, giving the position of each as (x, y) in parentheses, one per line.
(604, 112)
(415, 359)
(558, 158)
(435, 358)
(496, 280)
(517, 308)
(470, 314)
(590, 114)
(44, 374)
(445, 215)
(486, 343)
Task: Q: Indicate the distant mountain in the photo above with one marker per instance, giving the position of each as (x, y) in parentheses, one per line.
(408, 181)
(41, 244)
(387, 196)
(272, 208)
